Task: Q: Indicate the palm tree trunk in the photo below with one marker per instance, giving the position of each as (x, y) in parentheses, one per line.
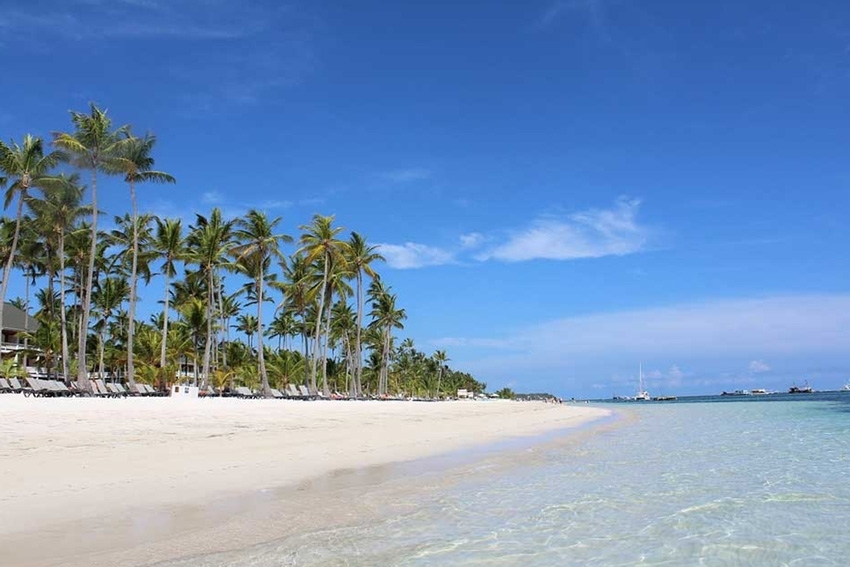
(261, 356)
(358, 354)
(325, 389)
(66, 370)
(131, 326)
(82, 372)
(208, 342)
(439, 379)
(164, 325)
(306, 353)
(100, 353)
(313, 388)
(7, 269)
(224, 323)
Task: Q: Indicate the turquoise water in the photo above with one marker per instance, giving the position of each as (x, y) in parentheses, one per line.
(702, 484)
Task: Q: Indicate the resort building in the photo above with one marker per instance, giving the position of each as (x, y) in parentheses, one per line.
(15, 322)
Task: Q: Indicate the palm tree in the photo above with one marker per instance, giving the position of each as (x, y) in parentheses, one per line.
(134, 160)
(92, 145)
(247, 323)
(209, 243)
(22, 167)
(440, 359)
(360, 257)
(281, 327)
(258, 246)
(385, 317)
(298, 296)
(171, 246)
(107, 298)
(58, 210)
(319, 244)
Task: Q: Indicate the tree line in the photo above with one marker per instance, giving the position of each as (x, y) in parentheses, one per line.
(332, 316)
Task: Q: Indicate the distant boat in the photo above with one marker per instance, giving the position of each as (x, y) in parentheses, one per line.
(664, 398)
(623, 398)
(642, 395)
(736, 393)
(846, 387)
(759, 392)
(804, 389)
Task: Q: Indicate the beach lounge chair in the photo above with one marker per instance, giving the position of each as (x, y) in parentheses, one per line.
(277, 394)
(152, 392)
(57, 388)
(5, 388)
(38, 388)
(305, 393)
(122, 390)
(243, 392)
(291, 392)
(18, 388)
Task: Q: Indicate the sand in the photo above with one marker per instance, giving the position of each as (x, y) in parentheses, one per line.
(78, 477)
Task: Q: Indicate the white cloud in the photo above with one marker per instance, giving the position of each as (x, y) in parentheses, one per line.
(472, 240)
(713, 336)
(587, 234)
(406, 175)
(412, 255)
(212, 197)
(759, 366)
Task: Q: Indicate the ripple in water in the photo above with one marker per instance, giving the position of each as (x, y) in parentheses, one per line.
(688, 484)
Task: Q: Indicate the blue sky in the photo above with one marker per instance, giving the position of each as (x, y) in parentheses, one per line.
(562, 189)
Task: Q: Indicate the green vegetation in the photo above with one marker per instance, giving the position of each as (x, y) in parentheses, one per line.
(84, 283)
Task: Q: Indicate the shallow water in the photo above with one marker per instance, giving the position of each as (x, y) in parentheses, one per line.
(722, 484)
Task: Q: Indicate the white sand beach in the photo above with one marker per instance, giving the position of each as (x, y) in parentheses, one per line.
(71, 468)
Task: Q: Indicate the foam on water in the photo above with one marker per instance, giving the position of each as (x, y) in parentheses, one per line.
(731, 484)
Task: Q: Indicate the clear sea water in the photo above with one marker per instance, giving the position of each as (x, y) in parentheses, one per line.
(752, 482)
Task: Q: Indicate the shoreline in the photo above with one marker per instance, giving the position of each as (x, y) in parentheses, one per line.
(150, 476)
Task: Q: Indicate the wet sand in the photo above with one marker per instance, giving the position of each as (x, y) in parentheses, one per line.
(137, 481)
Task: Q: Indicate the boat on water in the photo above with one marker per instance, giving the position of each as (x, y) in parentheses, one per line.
(759, 392)
(846, 387)
(663, 398)
(736, 393)
(642, 395)
(804, 389)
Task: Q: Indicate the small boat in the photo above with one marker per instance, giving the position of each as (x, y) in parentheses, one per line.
(664, 398)
(846, 387)
(804, 389)
(736, 393)
(759, 392)
(642, 395)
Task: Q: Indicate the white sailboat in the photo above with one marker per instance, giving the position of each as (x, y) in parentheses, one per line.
(642, 395)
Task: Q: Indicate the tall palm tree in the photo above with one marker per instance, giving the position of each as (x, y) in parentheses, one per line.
(171, 246)
(209, 243)
(319, 243)
(134, 237)
(298, 296)
(58, 211)
(22, 167)
(107, 298)
(386, 316)
(92, 145)
(360, 259)
(440, 358)
(258, 245)
(134, 160)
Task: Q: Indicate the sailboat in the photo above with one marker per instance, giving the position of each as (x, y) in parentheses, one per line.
(642, 395)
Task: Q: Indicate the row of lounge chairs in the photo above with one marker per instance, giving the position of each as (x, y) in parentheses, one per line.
(291, 392)
(39, 387)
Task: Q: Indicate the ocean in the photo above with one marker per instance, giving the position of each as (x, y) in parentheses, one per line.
(704, 482)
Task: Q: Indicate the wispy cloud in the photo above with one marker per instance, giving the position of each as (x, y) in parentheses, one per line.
(245, 52)
(412, 255)
(588, 234)
(593, 233)
(710, 337)
(406, 175)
